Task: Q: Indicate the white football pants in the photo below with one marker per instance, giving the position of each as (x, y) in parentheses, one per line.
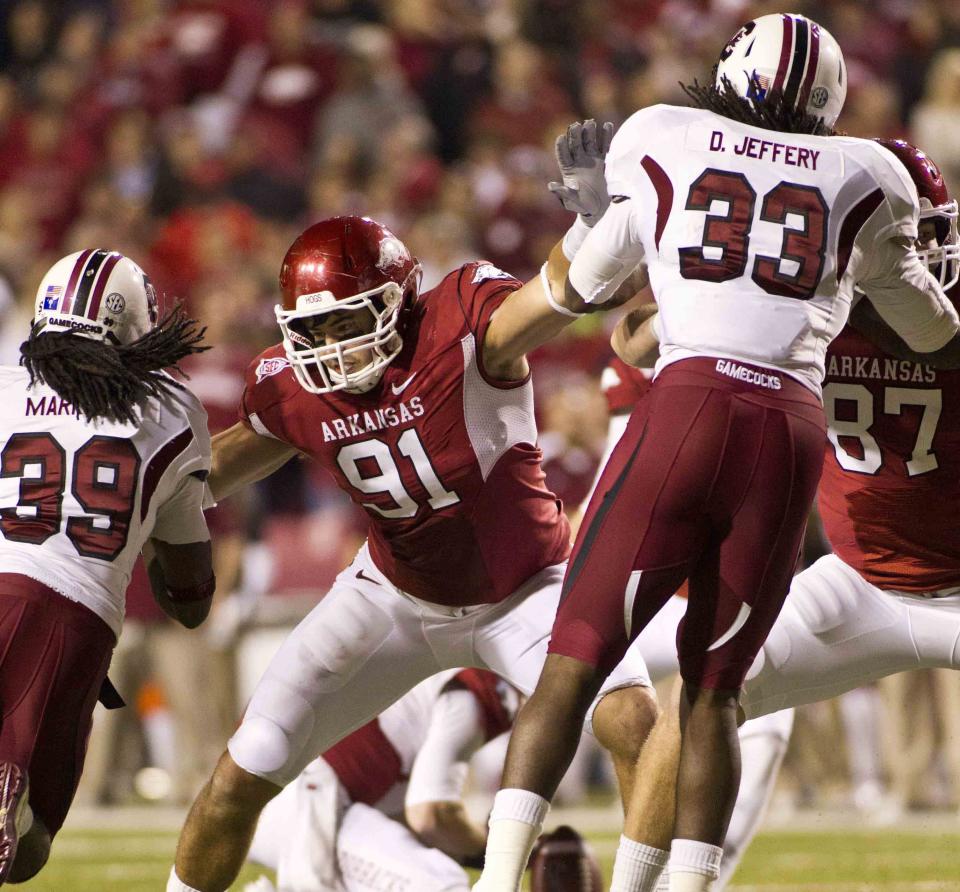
(367, 643)
(837, 632)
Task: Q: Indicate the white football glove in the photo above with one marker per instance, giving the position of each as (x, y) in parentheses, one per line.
(580, 153)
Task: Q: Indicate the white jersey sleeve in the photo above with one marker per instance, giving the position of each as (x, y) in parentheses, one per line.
(614, 246)
(908, 297)
(609, 253)
(180, 518)
(456, 732)
(753, 239)
(78, 499)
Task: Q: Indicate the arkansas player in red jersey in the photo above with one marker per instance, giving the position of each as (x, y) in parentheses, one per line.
(888, 598)
(421, 408)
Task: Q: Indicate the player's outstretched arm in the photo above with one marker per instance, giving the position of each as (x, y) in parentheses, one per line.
(241, 457)
(908, 298)
(540, 310)
(537, 312)
(866, 320)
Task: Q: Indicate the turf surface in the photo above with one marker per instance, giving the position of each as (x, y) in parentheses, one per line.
(779, 861)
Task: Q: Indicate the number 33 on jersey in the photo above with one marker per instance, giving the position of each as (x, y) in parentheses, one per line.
(442, 458)
(754, 238)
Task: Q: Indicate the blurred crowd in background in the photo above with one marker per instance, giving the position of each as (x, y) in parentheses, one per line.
(199, 137)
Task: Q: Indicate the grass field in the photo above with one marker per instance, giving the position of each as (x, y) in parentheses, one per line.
(104, 860)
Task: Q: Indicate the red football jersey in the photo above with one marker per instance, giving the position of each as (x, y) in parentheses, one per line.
(623, 385)
(443, 458)
(891, 479)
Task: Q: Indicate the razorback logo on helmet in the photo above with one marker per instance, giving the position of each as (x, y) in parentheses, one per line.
(272, 366)
(486, 271)
(392, 252)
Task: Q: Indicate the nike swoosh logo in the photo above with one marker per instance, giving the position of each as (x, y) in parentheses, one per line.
(398, 389)
(362, 575)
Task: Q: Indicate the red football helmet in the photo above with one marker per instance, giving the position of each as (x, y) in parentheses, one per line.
(943, 259)
(345, 265)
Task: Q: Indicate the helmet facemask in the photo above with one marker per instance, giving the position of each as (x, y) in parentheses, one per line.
(328, 367)
(942, 254)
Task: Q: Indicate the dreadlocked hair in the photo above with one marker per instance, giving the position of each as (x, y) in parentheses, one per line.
(105, 380)
(772, 112)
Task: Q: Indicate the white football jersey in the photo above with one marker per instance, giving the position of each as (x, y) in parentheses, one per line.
(753, 239)
(78, 499)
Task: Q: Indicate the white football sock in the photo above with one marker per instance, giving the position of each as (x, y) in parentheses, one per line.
(515, 823)
(637, 866)
(175, 884)
(694, 865)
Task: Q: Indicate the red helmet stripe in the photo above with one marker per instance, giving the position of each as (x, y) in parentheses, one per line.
(98, 289)
(68, 295)
(813, 59)
(785, 50)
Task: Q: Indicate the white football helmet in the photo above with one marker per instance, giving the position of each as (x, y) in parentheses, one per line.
(97, 294)
(788, 53)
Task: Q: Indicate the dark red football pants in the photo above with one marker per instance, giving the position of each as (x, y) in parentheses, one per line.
(711, 482)
(54, 655)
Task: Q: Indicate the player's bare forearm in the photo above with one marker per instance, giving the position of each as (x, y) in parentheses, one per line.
(867, 321)
(526, 319)
(634, 339)
(241, 457)
(446, 826)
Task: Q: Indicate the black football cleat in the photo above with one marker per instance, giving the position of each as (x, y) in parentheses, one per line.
(13, 800)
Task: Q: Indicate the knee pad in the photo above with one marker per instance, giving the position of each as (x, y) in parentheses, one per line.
(262, 747)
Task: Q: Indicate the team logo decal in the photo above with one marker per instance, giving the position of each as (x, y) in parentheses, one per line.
(392, 252)
(743, 32)
(51, 297)
(486, 271)
(268, 367)
(818, 98)
(115, 302)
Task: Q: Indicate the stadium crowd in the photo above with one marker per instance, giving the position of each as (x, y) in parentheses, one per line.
(199, 137)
